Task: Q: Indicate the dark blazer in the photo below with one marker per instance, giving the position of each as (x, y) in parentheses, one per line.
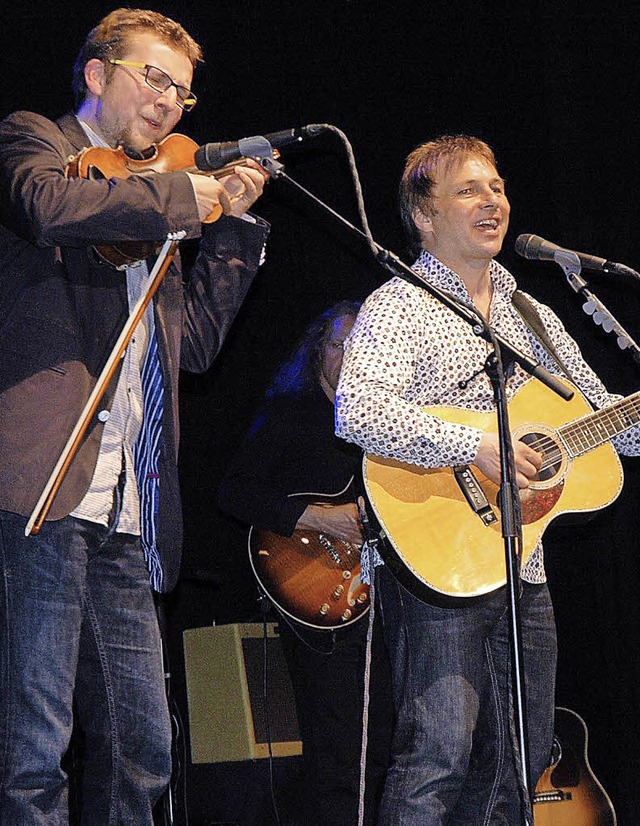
(61, 311)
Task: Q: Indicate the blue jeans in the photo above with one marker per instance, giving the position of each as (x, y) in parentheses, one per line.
(78, 624)
(453, 762)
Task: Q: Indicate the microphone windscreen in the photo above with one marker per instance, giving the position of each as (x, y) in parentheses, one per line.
(214, 156)
(528, 245)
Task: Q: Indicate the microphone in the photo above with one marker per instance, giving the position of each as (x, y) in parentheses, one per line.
(537, 249)
(213, 156)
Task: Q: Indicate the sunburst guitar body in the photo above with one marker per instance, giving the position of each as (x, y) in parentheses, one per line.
(440, 542)
(310, 576)
(568, 793)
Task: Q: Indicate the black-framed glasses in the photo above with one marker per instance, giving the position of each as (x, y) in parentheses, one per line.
(160, 81)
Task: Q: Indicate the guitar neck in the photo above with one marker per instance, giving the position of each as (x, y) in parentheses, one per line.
(599, 427)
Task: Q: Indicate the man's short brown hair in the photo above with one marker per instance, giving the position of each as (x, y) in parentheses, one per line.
(109, 39)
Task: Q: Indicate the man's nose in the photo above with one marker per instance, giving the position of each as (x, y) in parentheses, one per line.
(168, 98)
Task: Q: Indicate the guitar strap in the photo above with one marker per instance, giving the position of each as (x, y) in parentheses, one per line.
(531, 318)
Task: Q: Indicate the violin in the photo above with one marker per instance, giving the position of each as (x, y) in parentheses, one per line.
(173, 153)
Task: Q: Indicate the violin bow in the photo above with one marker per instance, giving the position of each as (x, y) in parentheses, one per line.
(43, 505)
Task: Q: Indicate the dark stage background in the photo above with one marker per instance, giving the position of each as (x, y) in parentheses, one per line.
(554, 88)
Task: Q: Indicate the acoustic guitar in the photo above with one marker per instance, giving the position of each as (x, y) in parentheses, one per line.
(311, 576)
(443, 525)
(568, 793)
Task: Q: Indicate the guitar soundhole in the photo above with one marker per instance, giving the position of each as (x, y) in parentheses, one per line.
(551, 452)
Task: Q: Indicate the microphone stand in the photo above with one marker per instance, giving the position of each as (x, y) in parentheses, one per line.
(601, 316)
(510, 500)
(391, 262)
(511, 525)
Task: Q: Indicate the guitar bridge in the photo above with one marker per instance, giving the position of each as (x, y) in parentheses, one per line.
(556, 796)
(474, 494)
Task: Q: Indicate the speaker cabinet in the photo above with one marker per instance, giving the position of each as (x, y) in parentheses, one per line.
(226, 681)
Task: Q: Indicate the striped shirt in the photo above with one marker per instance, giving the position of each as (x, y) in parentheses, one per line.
(123, 421)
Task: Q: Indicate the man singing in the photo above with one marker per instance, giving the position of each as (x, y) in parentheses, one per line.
(453, 758)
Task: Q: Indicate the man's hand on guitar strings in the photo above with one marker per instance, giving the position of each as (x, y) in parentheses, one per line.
(527, 461)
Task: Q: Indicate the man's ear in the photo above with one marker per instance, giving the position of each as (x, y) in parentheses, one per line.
(95, 76)
(422, 221)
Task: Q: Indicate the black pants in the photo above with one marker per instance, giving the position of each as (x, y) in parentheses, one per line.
(327, 671)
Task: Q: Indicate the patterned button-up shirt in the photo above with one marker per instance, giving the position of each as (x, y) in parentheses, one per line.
(408, 351)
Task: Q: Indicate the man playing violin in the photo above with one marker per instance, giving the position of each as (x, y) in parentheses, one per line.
(78, 624)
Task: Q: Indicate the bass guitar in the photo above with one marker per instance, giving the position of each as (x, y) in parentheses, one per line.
(568, 793)
(311, 576)
(443, 524)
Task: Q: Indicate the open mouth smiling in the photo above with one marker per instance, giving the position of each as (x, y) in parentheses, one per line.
(487, 223)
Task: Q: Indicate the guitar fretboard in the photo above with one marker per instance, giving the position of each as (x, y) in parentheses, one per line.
(597, 428)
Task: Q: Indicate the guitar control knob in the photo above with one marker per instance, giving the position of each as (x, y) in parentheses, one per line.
(338, 592)
(346, 574)
(324, 609)
(362, 597)
(346, 614)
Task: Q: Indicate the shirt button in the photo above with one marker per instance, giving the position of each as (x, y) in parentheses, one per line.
(103, 416)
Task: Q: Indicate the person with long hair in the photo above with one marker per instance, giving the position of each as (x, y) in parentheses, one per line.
(291, 449)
